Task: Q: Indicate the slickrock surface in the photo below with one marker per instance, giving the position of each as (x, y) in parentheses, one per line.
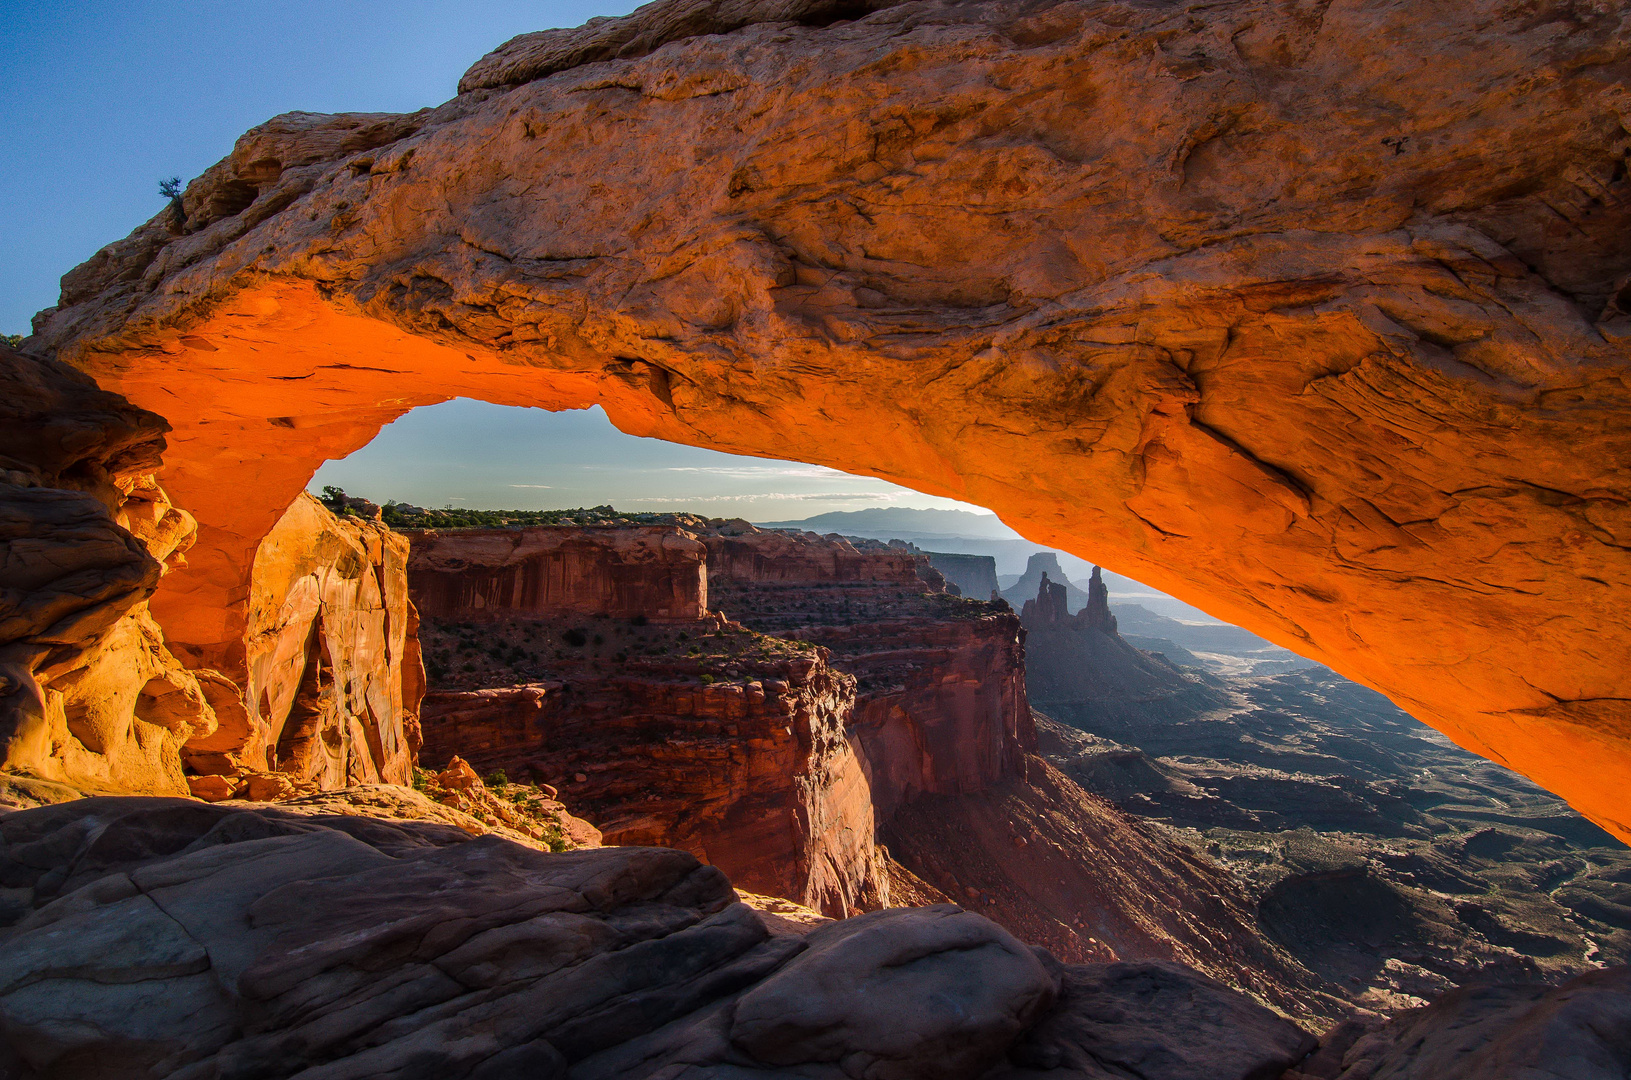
(1315, 317)
(652, 572)
(1580, 1030)
(708, 738)
(164, 938)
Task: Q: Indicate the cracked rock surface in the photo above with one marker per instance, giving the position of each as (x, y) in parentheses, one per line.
(166, 938)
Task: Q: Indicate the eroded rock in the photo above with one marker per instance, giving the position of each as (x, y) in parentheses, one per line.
(176, 939)
(1350, 376)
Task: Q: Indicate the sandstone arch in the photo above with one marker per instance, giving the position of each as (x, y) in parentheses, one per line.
(1315, 314)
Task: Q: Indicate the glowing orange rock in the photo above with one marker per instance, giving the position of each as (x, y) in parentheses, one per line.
(1328, 338)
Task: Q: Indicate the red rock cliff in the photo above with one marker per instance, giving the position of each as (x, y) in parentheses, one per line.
(940, 704)
(710, 739)
(654, 572)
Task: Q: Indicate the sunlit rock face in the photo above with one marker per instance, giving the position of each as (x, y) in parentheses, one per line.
(1327, 337)
(331, 661)
(92, 696)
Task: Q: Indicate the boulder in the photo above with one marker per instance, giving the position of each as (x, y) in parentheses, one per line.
(169, 938)
(1579, 1030)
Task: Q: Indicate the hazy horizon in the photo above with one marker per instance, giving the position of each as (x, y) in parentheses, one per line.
(477, 456)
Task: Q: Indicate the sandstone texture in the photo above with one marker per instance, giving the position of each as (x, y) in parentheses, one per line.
(711, 739)
(331, 658)
(89, 694)
(319, 688)
(1314, 316)
(1580, 1030)
(167, 938)
(653, 572)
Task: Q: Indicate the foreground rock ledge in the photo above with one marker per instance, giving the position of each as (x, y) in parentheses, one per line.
(163, 938)
(166, 938)
(1318, 318)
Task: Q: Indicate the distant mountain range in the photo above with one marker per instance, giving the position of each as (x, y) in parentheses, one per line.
(902, 523)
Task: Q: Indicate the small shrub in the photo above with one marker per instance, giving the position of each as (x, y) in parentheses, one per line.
(497, 779)
(14, 340)
(575, 638)
(707, 680)
(599, 640)
(421, 778)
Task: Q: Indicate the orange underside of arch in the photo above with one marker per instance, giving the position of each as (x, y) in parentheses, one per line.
(277, 380)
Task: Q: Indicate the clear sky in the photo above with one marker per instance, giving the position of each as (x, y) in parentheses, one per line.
(99, 100)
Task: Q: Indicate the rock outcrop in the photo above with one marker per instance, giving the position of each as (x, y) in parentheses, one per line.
(166, 938)
(89, 694)
(94, 698)
(654, 573)
(331, 659)
(1580, 1030)
(1350, 375)
(940, 702)
(709, 738)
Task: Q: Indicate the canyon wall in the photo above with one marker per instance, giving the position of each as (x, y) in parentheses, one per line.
(1325, 338)
(737, 754)
(620, 572)
(940, 705)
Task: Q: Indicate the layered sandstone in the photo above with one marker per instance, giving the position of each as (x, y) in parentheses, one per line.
(89, 694)
(94, 697)
(1324, 337)
(653, 572)
(708, 738)
(940, 703)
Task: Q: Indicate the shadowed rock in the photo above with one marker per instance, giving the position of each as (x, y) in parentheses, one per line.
(166, 938)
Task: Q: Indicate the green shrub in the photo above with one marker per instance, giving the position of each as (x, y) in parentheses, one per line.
(498, 779)
(14, 340)
(707, 680)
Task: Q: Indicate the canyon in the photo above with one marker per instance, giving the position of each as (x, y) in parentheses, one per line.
(1328, 338)
(1350, 378)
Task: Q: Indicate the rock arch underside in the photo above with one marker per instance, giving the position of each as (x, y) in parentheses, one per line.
(1317, 315)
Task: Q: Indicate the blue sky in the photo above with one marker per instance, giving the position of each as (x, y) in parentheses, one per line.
(100, 100)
